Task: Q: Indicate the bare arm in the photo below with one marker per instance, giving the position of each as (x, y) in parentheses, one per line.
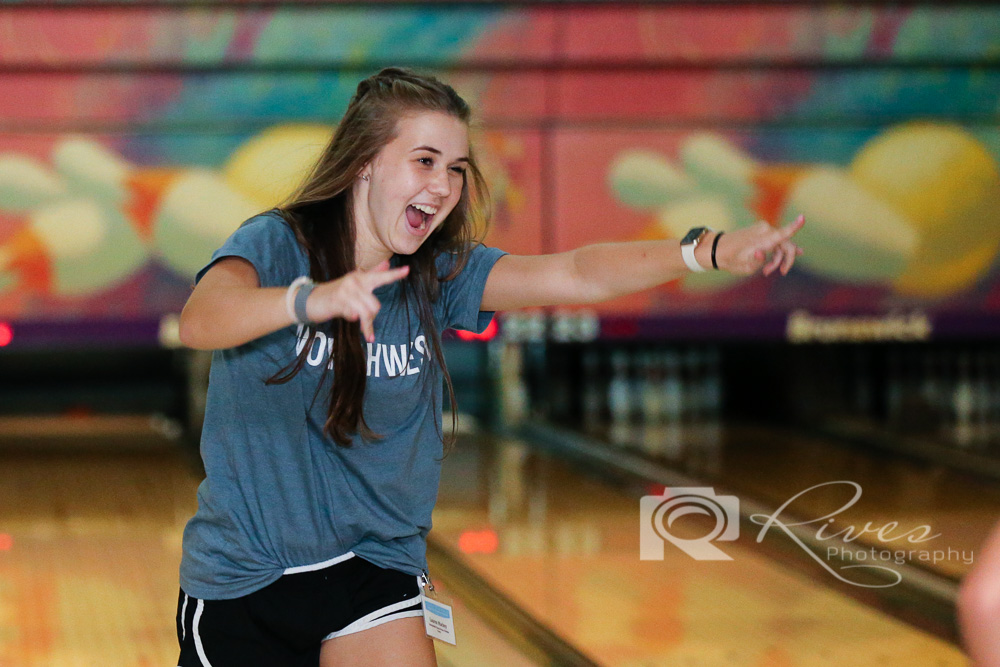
(604, 271)
(228, 307)
(978, 604)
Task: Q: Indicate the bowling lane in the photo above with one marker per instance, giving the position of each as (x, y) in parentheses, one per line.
(91, 545)
(90, 542)
(771, 465)
(566, 548)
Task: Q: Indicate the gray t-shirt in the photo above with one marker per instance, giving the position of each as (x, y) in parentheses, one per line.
(278, 492)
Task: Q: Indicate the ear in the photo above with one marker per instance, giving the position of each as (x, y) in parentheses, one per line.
(364, 174)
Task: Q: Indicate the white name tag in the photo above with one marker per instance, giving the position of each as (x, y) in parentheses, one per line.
(438, 620)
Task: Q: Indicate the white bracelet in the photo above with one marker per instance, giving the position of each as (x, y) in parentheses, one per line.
(290, 295)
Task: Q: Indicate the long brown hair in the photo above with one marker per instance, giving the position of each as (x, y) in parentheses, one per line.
(321, 214)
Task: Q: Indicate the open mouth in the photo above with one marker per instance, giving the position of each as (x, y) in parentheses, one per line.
(419, 216)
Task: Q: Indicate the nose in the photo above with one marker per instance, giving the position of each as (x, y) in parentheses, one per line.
(440, 185)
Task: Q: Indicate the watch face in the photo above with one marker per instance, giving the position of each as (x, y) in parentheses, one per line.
(693, 235)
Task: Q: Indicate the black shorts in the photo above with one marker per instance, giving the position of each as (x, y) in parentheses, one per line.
(286, 622)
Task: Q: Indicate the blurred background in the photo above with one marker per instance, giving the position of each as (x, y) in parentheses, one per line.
(136, 136)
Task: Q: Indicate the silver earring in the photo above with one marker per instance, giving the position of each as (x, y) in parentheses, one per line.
(365, 177)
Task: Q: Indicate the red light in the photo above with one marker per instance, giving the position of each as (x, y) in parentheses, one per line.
(489, 334)
(478, 541)
(6, 542)
(6, 334)
(620, 328)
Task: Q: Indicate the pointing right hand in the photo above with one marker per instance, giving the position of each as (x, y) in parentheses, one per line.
(351, 297)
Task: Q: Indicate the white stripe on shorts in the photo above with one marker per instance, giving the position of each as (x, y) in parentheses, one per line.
(388, 613)
(184, 608)
(319, 566)
(197, 637)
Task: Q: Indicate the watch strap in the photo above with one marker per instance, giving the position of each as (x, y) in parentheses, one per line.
(300, 302)
(688, 246)
(290, 295)
(687, 253)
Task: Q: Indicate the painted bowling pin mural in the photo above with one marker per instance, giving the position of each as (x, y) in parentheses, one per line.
(918, 207)
(75, 239)
(895, 169)
(91, 219)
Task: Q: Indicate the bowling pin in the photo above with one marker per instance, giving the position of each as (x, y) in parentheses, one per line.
(692, 387)
(712, 430)
(713, 385)
(26, 184)
(930, 388)
(513, 389)
(197, 213)
(91, 170)
(620, 398)
(719, 166)
(673, 399)
(963, 403)
(651, 412)
(644, 179)
(674, 433)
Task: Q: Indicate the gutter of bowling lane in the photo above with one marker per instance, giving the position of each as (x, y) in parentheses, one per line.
(913, 447)
(922, 598)
(531, 637)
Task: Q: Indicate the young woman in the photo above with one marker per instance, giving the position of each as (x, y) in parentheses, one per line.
(323, 439)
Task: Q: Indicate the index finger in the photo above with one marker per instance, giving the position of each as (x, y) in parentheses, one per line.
(789, 230)
(379, 278)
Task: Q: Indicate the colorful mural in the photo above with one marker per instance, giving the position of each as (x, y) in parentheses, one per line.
(133, 140)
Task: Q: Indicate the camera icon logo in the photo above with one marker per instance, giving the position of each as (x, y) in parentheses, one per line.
(658, 513)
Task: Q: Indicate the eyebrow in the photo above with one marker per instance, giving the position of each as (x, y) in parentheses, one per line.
(436, 152)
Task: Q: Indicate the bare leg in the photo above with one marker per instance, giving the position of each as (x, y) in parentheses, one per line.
(979, 604)
(401, 642)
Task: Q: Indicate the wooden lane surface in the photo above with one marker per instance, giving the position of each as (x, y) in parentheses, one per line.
(89, 575)
(566, 548)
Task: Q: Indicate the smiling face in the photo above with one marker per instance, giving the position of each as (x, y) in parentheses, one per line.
(413, 184)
